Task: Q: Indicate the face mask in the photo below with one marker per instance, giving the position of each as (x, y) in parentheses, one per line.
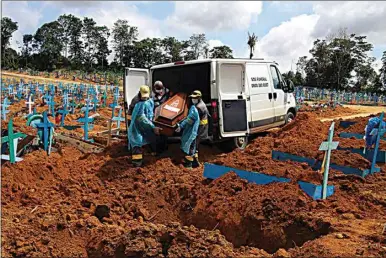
(195, 101)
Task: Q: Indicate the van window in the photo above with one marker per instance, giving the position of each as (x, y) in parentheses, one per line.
(275, 77)
(231, 78)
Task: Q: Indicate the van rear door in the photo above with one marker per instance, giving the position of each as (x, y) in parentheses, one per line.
(261, 95)
(134, 78)
(232, 98)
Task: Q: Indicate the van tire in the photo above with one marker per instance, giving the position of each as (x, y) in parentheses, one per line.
(234, 143)
(289, 117)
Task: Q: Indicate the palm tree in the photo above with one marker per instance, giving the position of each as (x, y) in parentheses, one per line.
(251, 42)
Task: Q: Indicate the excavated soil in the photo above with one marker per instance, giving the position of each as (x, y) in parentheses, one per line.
(51, 207)
(97, 205)
(329, 112)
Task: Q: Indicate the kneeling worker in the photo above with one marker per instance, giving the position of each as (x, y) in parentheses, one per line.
(142, 131)
(374, 122)
(195, 128)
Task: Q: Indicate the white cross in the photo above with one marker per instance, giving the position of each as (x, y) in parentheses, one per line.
(30, 103)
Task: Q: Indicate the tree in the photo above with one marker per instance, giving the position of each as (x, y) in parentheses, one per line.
(252, 40)
(48, 38)
(27, 47)
(8, 27)
(383, 69)
(147, 52)
(103, 50)
(124, 35)
(196, 47)
(91, 38)
(75, 43)
(221, 52)
(173, 49)
(66, 23)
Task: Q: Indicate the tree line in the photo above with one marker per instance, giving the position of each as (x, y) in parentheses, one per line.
(340, 61)
(81, 44)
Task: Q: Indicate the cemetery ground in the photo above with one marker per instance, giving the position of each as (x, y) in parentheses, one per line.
(77, 202)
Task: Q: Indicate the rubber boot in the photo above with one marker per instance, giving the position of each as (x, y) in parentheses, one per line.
(188, 161)
(196, 163)
(136, 160)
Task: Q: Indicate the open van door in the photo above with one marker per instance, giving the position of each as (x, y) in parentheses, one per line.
(134, 78)
(233, 120)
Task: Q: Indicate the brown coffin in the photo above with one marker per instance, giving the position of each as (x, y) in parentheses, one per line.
(171, 112)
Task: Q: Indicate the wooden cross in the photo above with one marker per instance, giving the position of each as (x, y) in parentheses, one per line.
(327, 146)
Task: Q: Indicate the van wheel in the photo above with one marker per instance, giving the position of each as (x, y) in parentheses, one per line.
(289, 118)
(234, 143)
(240, 142)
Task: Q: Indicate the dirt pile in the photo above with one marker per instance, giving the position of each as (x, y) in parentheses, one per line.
(327, 111)
(49, 208)
(301, 137)
(141, 239)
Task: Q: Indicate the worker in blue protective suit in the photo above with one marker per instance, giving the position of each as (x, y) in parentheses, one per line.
(374, 122)
(195, 128)
(142, 131)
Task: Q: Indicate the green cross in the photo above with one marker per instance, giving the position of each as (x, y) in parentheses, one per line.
(10, 139)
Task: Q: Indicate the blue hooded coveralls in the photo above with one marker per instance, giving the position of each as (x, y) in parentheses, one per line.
(373, 123)
(190, 131)
(141, 128)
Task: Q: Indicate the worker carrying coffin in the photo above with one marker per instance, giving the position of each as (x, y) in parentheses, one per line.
(374, 122)
(195, 128)
(159, 95)
(142, 131)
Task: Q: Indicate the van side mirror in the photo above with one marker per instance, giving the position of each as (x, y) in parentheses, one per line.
(289, 87)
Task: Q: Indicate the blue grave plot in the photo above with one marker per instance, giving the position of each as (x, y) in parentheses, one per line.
(346, 124)
(316, 191)
(368, 154)
(317, 165)
(355, 135)
(213, 171)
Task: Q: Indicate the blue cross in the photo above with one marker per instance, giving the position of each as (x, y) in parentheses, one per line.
(118, 118)
(86, 120)
(45, 127)
(4, 108)
(63, 112)
(51, 105)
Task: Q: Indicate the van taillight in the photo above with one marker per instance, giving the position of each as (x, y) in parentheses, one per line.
(179, 63)
(214, 110)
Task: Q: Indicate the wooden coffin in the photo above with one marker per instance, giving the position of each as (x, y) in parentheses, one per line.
(170, 113)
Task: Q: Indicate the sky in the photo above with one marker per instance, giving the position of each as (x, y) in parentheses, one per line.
(285, 30)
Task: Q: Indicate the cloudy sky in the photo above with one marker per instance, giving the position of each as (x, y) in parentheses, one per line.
(285, 30)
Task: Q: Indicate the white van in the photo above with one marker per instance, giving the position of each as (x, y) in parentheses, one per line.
(244, 96)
